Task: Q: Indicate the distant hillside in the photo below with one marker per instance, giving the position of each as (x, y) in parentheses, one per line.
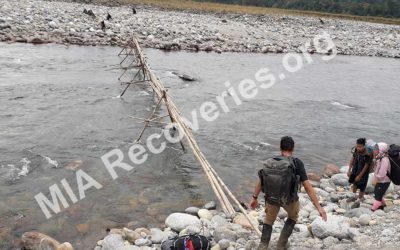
(383, 8)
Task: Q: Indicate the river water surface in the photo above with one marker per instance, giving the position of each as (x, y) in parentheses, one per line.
(59, 110)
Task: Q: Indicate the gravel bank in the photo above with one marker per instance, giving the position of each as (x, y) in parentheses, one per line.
(350, 225)
(64, 22)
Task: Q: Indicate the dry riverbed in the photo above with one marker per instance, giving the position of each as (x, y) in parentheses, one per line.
(64, 22)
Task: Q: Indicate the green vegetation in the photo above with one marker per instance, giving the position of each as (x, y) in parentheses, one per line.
(382, 8)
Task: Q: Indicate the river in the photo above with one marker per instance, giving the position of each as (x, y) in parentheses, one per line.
(59, 109)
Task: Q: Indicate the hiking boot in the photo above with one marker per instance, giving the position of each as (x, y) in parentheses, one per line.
(285, 234)
(265, 237)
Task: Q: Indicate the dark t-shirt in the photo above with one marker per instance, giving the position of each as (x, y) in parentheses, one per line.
(358, 164)
(300, 170)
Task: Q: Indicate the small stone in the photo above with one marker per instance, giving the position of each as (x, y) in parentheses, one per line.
(331, 170)
(365, 219)
(192, 210)
(143, 242)
(53, 24)
(210, 205)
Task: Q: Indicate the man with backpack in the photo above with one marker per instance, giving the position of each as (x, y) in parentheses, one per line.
(359, 169)
(280, 181)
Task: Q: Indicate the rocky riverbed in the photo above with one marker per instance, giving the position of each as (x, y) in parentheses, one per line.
(38, 21)
(350, 225)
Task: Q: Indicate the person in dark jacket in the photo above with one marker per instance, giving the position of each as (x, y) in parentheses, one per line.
(359, 170)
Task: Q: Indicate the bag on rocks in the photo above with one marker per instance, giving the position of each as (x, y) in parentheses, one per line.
(280, 182)
(186, 242)
(394, 156)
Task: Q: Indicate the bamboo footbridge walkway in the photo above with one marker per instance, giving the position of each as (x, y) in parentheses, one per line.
(133, 61)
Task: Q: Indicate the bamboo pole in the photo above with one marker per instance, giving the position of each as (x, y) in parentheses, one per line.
(147, 122)
(175, 117)
(216, 182)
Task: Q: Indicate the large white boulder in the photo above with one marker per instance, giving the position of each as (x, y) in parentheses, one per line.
(179, 221)
(335, 226)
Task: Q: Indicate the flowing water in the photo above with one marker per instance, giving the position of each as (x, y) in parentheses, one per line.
(59, 111)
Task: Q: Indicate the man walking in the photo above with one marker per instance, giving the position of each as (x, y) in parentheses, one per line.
(359, 167)
(280, 181)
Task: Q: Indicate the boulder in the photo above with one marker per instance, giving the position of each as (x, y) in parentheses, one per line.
(335, 226)
(241, 219)
(224, 233)
(331, 170)
(314, 177)
(192, 210)
(340, 180)
(179, 221)
(205, 214)
(218, 221)
(112, 242)
(321, 192)
(365, 219)
(357, 212)
(130, 235)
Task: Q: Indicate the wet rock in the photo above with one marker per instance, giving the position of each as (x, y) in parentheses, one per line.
(314, 177)
(186, 77)
(331, 170)
(82, 228)
(36, 240)
(37, 41)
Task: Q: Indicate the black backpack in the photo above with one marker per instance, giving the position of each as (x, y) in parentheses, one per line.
(394, 156)
(279, 181)
(191, 242)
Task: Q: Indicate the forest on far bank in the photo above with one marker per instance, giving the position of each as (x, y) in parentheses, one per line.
(382, 8)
